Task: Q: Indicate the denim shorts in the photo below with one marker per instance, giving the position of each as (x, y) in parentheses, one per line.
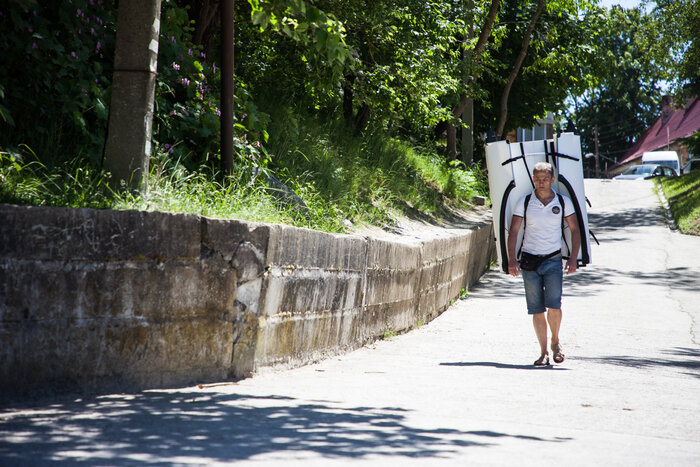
(543, 286)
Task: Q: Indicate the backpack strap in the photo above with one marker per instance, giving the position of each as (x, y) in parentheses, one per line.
(527, 201)
(561, 201)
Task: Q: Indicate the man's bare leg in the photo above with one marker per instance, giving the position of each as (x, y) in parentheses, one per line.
(554, 319)
(540, 323)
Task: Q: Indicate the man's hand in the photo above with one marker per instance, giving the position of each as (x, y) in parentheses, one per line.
(571, 265)
(513, 267)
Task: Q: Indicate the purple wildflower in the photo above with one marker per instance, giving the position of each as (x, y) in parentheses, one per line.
(176, 66)
(172, 39)
(34, 46)
(217, 111)
(189, 52)
(185, 81)
(74, 55)
(98, 46)
(79, 12)
(213, 67)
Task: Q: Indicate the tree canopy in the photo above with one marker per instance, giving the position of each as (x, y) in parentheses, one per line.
(634, 68)
(404, 67)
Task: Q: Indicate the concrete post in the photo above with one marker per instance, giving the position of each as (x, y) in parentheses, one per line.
(128, 147)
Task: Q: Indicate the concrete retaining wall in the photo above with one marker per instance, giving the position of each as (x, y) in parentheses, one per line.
(101, 299)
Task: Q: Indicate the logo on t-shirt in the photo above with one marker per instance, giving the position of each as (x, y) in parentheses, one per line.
(556, 210)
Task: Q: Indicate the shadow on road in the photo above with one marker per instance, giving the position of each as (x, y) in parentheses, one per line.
(690, 361)
(611, 221)
(159, 427)
(590, 281)
(496, 284)
(506, 366)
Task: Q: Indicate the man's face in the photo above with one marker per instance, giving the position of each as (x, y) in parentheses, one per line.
(543, 181)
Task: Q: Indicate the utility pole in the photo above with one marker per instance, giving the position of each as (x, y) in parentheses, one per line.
(597, 166)
(128, 146)
(227, 83)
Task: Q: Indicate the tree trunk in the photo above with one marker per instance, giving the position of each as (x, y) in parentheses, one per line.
(516, 69)
(227, 85)
(467, 147)
(467, 136)
(362, 118)
(205, 28)
(478, 51)
(440, 128)
(476, 56)
(128, 147)
(451, 143)
(348, 96)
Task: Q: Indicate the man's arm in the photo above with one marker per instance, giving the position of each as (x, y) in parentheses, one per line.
(513, 266)
(572, 263)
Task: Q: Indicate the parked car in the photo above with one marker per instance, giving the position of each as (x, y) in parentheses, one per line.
(667, 158)
(646, 171)
(692, 165)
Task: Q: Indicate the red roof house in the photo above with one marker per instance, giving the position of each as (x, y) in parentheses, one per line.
(672, 125)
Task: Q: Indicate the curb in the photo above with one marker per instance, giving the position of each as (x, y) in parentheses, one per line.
(670, 221)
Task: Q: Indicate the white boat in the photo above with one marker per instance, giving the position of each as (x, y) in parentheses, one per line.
(510, 178)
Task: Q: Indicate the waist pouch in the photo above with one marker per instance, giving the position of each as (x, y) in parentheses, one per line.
(529, 262)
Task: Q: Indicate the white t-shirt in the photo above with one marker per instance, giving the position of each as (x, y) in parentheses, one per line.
(543, 230)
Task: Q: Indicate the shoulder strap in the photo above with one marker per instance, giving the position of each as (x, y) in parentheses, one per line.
(527, 201)
(561, 202)
(563, 206)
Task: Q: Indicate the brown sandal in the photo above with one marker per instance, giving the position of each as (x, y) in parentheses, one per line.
(543, 360)
(558, 355)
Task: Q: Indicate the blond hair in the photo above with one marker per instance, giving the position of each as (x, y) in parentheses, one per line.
(543, 167)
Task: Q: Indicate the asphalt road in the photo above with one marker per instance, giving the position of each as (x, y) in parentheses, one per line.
(460, 390)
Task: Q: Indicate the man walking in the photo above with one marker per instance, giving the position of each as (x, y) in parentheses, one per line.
(542, 214)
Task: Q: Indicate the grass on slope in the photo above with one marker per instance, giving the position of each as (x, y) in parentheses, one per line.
(370, 178)
(683, 194)
(339, 177)
(171, 188)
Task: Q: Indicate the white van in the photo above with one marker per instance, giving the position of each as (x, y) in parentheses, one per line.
(667, 158)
